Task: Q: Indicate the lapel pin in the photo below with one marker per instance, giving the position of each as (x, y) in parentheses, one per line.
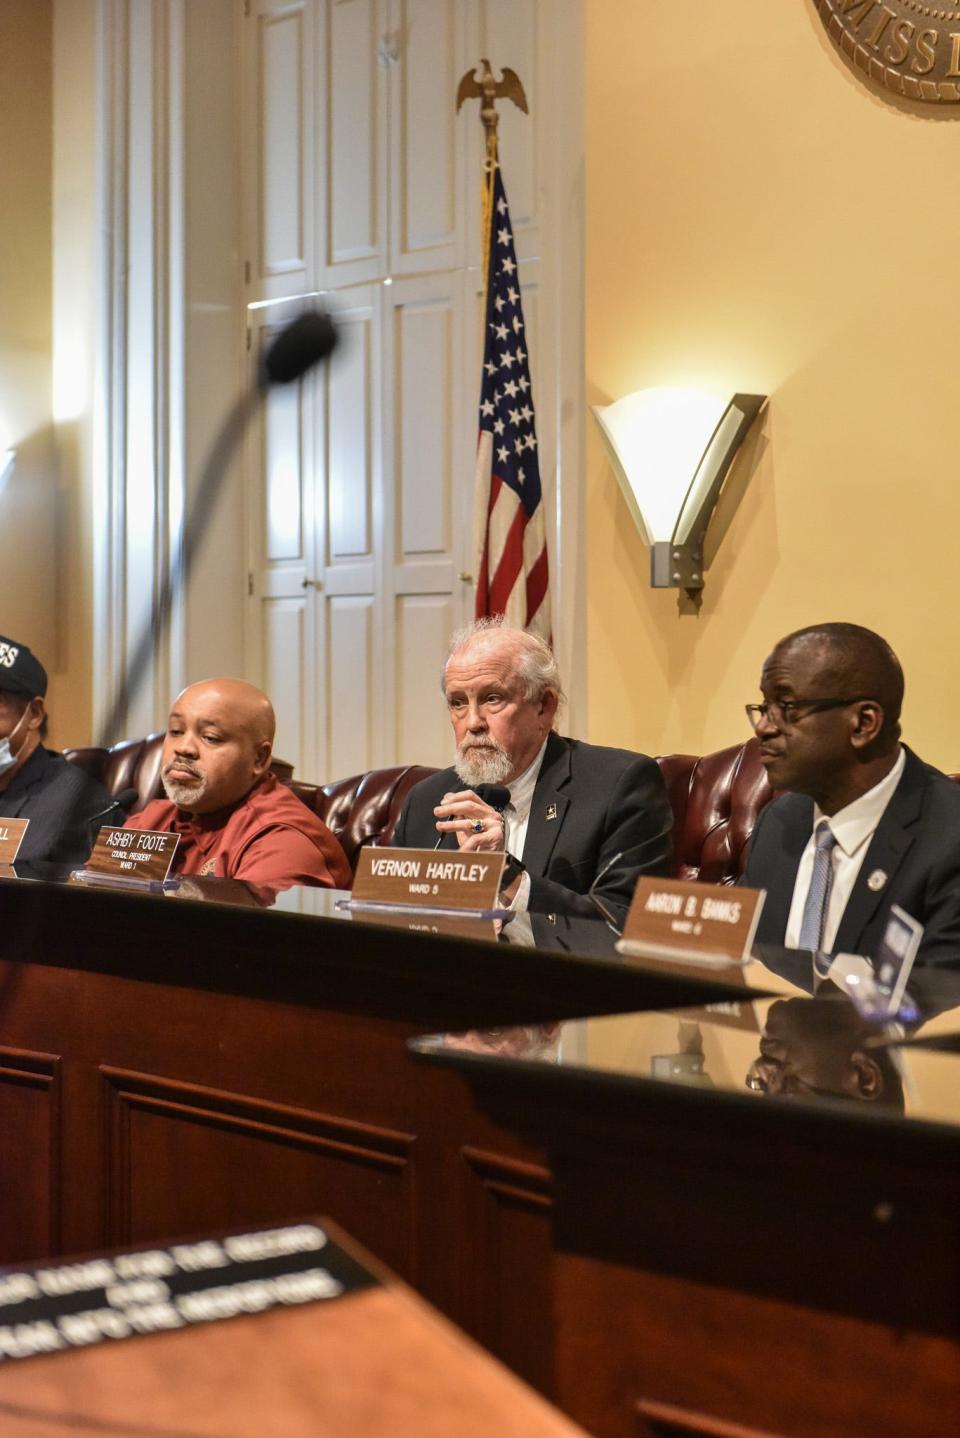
(876, 880)
(551, 811)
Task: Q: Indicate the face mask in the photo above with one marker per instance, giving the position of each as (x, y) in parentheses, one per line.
(8, 759)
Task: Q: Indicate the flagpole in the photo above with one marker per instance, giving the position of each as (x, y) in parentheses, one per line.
(488, 90)
(509, 533)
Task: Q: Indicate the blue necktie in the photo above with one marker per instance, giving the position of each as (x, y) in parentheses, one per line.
(818, 894)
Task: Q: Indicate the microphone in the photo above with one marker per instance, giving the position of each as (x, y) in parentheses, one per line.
(124, 800)
(297, 348)
(496, 795)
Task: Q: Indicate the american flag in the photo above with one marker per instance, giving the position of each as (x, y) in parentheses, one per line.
(511, 538)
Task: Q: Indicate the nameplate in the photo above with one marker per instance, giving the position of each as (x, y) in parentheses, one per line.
(56, 1307)
(712, 923)
(144, 855)
(429, 878)
(11, 837)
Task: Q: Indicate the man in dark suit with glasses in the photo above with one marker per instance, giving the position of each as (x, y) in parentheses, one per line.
(863, 824)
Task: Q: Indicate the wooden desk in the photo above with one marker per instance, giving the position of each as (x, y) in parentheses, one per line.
(733, 1264)
(172, 1066)
(377, 1363)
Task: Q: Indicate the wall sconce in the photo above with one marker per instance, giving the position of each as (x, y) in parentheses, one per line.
(671, 450)
(8, 458)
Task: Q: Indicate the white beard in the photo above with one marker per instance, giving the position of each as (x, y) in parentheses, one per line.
(482, 763)
(183, 795)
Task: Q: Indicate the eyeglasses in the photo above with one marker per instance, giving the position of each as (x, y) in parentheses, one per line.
(786, 711)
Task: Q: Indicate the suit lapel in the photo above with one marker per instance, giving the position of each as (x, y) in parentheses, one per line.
(886, 852)
(795, 825)
(548, 806)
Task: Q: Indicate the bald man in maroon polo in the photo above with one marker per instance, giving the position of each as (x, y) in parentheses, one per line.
(235, 820)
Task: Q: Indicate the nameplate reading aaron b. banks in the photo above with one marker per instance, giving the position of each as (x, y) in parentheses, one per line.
(709, 922)
(11, 837)
(143, 855)
(428, 878)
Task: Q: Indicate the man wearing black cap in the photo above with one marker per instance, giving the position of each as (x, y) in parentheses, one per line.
(59, 799)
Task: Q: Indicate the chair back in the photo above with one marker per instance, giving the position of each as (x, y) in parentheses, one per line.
(715, 799)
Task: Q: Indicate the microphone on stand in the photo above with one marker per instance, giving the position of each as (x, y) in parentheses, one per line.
(300, 345)
(496, 795)
(124, 800)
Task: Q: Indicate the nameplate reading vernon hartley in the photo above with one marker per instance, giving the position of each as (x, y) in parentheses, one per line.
(709, 922)
(144, 855)
(11, 837)
(909, 46)
(428, 878)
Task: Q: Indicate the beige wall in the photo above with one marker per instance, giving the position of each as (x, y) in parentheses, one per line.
(28, 504)
(758, 218)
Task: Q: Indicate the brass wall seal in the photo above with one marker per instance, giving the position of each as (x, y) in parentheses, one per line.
(909, 46)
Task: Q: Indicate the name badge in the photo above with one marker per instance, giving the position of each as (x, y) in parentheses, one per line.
(677, 919)
(140, 855)
(429, 878)
(11, 837)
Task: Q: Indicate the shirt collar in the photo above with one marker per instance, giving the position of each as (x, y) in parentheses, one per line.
(855, 824)
(521, 790)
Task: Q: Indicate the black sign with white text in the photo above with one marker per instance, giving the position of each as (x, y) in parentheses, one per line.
(56, 1307)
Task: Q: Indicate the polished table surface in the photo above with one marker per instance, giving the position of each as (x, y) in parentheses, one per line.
(756, 1224)
(811, 1050)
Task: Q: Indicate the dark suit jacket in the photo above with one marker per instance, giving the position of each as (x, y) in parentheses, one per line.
(916, 845)
(589, 805)
(59, 799)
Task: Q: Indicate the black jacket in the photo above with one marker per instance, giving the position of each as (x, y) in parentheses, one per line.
(916, 850)
(589, 805)
(60, 800)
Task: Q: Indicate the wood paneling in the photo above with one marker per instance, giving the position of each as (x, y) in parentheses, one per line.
(507, 1210)
(165, 1138)
(352, 677)
(353, 186)
(427, 218)
(281, 130)
(30, 1197)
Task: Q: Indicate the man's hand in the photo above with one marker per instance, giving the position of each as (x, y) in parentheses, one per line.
(478, 827)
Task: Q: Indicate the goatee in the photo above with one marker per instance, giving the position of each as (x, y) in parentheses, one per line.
(183, 795)
(482, 763)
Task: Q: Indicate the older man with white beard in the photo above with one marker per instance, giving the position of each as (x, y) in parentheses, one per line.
(579, 817)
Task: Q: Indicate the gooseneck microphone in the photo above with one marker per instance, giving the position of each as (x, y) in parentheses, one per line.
(300, 345)
(496, 795)
(124, 800)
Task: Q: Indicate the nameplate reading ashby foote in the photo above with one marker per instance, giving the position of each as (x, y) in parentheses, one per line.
(429, 878)
(11, 837)
(144, 855)
(709, 922)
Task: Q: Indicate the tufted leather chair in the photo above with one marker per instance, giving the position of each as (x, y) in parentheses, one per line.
(715, 802)
(715, 799)
(365, 808)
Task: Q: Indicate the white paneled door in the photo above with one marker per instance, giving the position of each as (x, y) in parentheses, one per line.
(361, 189)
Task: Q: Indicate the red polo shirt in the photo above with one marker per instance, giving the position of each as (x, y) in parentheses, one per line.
(268, 838)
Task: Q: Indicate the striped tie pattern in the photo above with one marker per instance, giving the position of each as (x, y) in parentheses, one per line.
(818, 894)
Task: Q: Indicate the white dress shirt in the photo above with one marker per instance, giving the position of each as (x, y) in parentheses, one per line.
(516, 817)
(853, 828)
